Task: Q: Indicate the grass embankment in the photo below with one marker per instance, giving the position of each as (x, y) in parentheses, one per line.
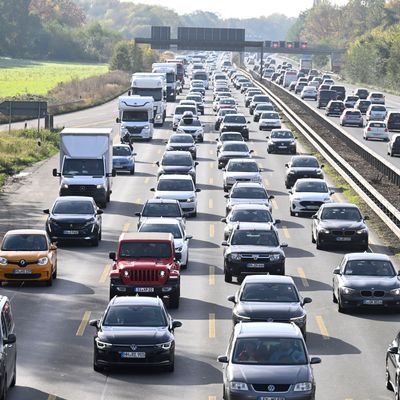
(20, 149)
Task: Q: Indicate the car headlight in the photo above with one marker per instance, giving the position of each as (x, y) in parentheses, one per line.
(327, 199)
(100, 187)
(238, 385)
(395, 292)
(274, 257)
(298, 320)
(158, 116)
(126, 273)
(179, 130)
(165, 346)
(43, 261)
(190, 199)
(102, 345)
(3, 261)
(302, 387)
(323, 230)
(235, 256)
(242, 317)
(346, 290)
(64, 186)
(162, 273)
(293, 142)
(362, 231)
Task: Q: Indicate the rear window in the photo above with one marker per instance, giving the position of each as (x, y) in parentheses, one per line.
(161, 210)
(237, 119)
(377, 125)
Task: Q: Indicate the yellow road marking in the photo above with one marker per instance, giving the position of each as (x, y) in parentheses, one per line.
(146, 180)
(259, 165)
(105, 273)
(211, 275)
(266, 181)
(212, 230)
(211, 181)
(322, 327)
(83, 324)
(138, 200)
(286, 232)
(126, 226)
(255, 152)
(210, 203)
(211, 326)
(212, 164)
(274, 204)
(302, 275)
(212, 397)
(52, 397)
(159, 151)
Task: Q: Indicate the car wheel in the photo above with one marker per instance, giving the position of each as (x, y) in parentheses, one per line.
(170, 367)
(340, 306)
(49, 282)
(96, 366)
(132, 171)
(194, 214)
(184, 266)
(292, 213)
(174, 299)
(95, 241)
(312, 236)
(4, 389)
(227, 276)
(14, 379)
(318, 243)
(388, 384)
(55, 272)
(334, 299)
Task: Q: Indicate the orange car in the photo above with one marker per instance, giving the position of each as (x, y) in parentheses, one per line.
(28, 254)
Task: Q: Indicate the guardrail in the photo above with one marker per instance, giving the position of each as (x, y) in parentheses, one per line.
(382, 207)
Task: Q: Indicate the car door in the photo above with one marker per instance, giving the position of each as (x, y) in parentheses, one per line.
(9, 351)
(393, 361)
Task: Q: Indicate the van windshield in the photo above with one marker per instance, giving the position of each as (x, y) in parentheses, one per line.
(135, 116)
(75, 166)
(155, 93)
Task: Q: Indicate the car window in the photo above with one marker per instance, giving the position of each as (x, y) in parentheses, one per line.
(369, 268)
(341, 213)
(282, 135)
(73, 207)
(177, 159)
(135, 315)
(237, 119)
(145, 250)
(255, 238)
(251, 216)
(237, 166)
(175, 185)
(236, 147)
(181, 139)
(249, 193)
(377, 125)
(269, 115)
(310, 162)
(134, 116)
(24, 242)
(269, 292)
(121, 151)
(231, 137)
(167, 228)
(311, 186)
(161, 210)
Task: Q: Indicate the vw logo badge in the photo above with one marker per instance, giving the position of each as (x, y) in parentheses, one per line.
(255, 257)
(271, 388)
(82, 188)
(22, 263)
(133, 347)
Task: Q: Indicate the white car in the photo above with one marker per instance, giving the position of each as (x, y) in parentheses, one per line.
(376, 98)
(376, 130)
(241, 170)
(269, 120)
(177, 228)
(309, 92)
(376, 112)
(218, 98)
(178, 187)
(307, 195)
(192, 126)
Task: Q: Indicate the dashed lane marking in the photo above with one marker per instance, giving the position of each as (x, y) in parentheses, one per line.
(322, 327)
(302, 275)
(286, 232)
(83, 324)
(210, 203)
(52, 397)
(212, 230)
(211, 181)
(274, 204)
(211, 326)
(211, 275)
(105, 274)
(212, 164)
(126, 226)
(146, 180)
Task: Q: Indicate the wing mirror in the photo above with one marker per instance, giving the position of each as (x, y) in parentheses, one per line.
(95, 323)
(224, 243)
(315, 360)
(112, 256)
(99, 212)
(176, 324)
(307, 300)
(11, 338)
(223, 359)
(232, 298)
(336, 271)
(47, 211)
(223, 220)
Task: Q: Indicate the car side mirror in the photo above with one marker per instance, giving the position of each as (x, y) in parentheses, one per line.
(11, 338)
(232, 298)
(315, 360)
(277, 221)
(176, 324)
(366, 218)
(165, 141)
(152, 190)
(314, 216)
(223, 220)
(322, 166)
(248, 122)
(266, 137)
(226, 196)
(290, 191)
(157, 163)
(398, 273)
(307, 300)
(99, 212)
(336, 271)
(138, 214)
(198, 190)
(287, 165)
(55, 172)
(332, 192)
(95, 323)
(196, 163)
(271, 197)
(283, 244)
(134, 154)
(53, 247)
(251, 151)
(224, 243)
(47, 211)
(188, 237)
(112, 255)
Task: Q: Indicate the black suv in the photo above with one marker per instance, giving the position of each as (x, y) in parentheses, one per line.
(235, 123)
(335, 107)
(8, 348)
(253, 250)
(302, 167)
(177, 162)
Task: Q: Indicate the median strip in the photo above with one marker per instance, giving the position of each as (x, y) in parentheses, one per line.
(83, 324)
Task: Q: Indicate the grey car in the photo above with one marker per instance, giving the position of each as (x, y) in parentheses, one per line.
(177, 162)
(269, 361)
(230, 150)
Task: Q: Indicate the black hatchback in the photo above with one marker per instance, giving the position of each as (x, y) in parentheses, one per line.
(134, 331)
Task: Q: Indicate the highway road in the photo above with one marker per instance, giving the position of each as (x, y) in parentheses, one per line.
(55, 346)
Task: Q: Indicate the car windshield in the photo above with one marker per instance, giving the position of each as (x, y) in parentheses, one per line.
(144, 250)
(181, 109)
(352, 98)
(230, 137)
(135, 315)
(260, 99)
(235, 119)
(167, 228)
(269, 292)
(197, 99)
(121, 151)
(237, 166)
(161, 210)
(378, 108)
(181, 139)
(264, 107)
(369, 268)
(227, 101)
(269, 115)
(253, 237)
(73, 207)
(269, 351)
(189, 122)
(341, 213)
(84, 167)
(135, 116)
(357, 113)
(251, 216)
(311, 186)
(24, 242)
(236, 147)
(225, 111)
(249, 193)
(175, 185)
(309, 162)
(282, 135)
(177, 159)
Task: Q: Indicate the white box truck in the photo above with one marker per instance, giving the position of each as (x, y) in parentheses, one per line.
(136, 116)
(170, 69)
(154, 85)
(86, 163)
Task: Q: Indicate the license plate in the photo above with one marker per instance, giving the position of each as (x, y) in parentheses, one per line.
(22, 271)
(373, 302)
(255, 265)
(312, 207)
(282, 147)
(71, 232)
(271, 398)
(144, 290)
(133, 354)
(343, 239)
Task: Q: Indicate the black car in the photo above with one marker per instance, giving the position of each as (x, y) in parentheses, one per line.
(177, 162)
(8, 348)
(74, 218)
(182, 142)
(235, 123)
(134, 331)
(267, 361)
(361, 93)
(339, 224)
(302, 167)
(221, 114)
(393, 366)
(154, 208)
(269, 298)
(335, 108)
(281, 141)
(324, 97)
(362, 105)
(366, 280)
(252, 250)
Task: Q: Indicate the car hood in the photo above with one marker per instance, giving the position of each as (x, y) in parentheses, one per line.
(304, 170)
(369, 282)
(341, 224)
(175, 168)
(134, 335)
(173, 195)
(265, 310)
(241, 175)
(25, 255)
(266, 120)
(254, 249)
(82, 180)
(190, 128)
(277, 140)
(234, 124)
(310, 195)
(72, 218)
(239, 154)
(233, 201)
(261, 374)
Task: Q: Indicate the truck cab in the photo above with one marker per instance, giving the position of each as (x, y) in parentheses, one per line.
(146, 264)
(170, 69)
(136, 116)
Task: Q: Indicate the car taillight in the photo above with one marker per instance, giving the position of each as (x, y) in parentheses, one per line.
(369, 129)
(386, 130)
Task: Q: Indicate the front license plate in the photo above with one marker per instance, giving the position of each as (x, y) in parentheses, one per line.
(373, 302)
(71, 232)
(312, 207)
(343, 239)
(133, 354)
(271, 398)
(144, 290)
(22, 271)
(255, 265)
(282, 147)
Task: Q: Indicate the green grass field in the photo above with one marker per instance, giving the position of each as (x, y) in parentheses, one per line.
(19, 77)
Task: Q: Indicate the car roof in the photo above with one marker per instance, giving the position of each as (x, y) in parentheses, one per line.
(342, 205)
(250, 207)
(234, 142)
(311, 180)
(162, 201)
(74, 198)
(249, 184)
(367, 256)
(268, 279)
(135, 300)
(303, 156)
(268, 329)
(26, 231)
(142, 236)
(242, 160)
(176, 176)
(255, 226)
(182, 153)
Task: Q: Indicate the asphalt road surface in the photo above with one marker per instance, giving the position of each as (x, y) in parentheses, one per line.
(55, 344)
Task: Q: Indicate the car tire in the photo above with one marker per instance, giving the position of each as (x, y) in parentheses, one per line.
(292, 213)
(312, 236)
(171, 367)
(55, 273)
(4, 389)
(227, 276)
(194, 214)
(318, 243)
(341, 309)
(184, 266)
(132, 171)
(334, 299)
(49, 282)
(14, 378)
(96, 366)
(388, 384)
(95, 241)
(174, 299)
